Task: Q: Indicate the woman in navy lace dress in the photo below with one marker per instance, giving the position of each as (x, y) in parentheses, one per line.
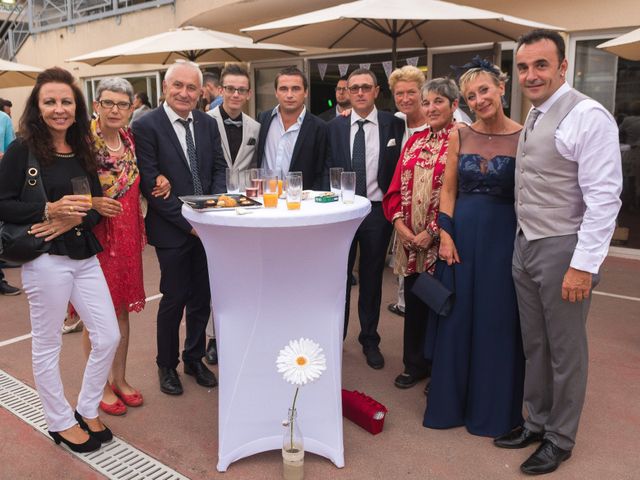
(478, 364)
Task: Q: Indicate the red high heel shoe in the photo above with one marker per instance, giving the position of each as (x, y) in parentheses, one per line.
(133, 400)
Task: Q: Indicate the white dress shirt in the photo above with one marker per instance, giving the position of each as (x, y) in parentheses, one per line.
(179, 129)
(279, 145)
(409, 131)
(588, 135)
(372, 150)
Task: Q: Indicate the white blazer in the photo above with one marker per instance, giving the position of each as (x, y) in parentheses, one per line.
(247, 152)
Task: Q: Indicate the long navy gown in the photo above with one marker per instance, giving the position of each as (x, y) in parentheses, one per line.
(478, 363)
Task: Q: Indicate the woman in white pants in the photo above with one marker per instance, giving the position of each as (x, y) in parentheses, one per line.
(55, 130)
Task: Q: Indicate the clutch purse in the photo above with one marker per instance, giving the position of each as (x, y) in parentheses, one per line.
(434, 294)
(16, 243)
(363, 410)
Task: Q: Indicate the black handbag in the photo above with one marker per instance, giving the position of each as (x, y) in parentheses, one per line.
(17, 245)
(434, 294)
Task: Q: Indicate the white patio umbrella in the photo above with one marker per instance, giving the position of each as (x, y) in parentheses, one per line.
(396, 23)
(17, 75)
(190, 43)
(625, 46)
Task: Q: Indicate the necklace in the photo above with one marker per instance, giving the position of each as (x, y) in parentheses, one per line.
(114, 149)
(65, 155)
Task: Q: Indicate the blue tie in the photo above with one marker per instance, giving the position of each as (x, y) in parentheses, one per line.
(193, 159)
(358, 160)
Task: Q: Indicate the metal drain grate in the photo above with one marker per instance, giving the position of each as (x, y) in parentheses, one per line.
(115, 460)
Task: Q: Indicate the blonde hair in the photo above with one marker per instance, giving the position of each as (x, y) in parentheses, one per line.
(497, 77)
(408, 73)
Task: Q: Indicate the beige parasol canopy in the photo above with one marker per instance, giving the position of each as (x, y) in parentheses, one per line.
(190, 43)
(397, 24)
(17, 75)
(625, 46)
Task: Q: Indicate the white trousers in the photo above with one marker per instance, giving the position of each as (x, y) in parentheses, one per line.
(50, 282)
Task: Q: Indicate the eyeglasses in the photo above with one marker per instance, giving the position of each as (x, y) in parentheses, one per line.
(231, 90)
(109, 104)
(341, 89)
(366, 88)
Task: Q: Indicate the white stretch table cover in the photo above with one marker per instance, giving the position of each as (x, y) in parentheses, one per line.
(277, 275)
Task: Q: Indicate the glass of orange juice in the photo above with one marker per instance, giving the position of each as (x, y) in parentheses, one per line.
(82, 187)
(270, 191)
(294, 190)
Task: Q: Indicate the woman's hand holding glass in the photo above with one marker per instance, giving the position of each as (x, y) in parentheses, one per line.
(64, 214)
(448, 251)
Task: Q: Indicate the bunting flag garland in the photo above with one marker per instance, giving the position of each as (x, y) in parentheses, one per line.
(343, 68)
(413, 61)
(387, 68)
(322, 69)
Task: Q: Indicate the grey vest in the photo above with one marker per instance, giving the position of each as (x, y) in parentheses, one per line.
(548, 197)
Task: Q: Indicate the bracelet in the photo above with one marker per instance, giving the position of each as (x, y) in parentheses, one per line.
(46, 212)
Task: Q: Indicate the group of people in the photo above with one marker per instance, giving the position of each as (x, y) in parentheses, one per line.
(515, 220)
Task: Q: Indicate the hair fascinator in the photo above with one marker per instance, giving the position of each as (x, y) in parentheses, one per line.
(476, 62)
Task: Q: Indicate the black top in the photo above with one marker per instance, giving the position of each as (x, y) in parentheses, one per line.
(234, 134)
(78, 243)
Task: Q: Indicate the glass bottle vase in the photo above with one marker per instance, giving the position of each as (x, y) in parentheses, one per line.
(292, 448)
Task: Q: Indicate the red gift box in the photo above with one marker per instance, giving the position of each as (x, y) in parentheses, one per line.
(363, 410)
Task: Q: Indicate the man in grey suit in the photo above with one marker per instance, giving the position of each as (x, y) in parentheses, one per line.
(567, 189)
(239, 137)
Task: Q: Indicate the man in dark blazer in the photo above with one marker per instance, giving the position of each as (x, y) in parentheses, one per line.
(182, 144)
(291, 138)
(342, 101)
(367, 142)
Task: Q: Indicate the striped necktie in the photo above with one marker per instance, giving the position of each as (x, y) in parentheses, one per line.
(193, 159)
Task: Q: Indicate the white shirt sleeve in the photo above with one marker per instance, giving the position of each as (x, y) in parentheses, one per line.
(589, 136)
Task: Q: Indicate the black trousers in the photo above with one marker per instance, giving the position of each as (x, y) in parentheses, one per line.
(184, 284)
(372, 237)
(416, 314)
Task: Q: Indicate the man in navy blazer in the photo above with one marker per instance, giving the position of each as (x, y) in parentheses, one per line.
(182, 144)
(367, 142)
(291, 138)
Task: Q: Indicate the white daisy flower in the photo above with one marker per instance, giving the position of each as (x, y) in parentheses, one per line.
(301, 362)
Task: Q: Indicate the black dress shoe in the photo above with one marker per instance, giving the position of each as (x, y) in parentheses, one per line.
(406, 380)
(103, 436)
(204, 376)
(211, 357)
(519, 437)
(90, 445)
(374, 357)
(169, 381)
(395, 309)
(546, 459)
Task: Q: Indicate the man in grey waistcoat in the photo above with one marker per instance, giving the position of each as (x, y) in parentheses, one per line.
(567, 188)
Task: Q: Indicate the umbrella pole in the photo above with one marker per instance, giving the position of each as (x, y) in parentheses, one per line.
(394, 45)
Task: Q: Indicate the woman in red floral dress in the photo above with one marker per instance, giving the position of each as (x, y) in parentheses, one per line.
(121, 233)
(411, 204)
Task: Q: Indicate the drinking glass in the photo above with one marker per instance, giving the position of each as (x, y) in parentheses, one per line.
(334, 177)
(270, 191)
(81, 186)
(294, 190)
(348, 186)
(233, 180)
(256, 175)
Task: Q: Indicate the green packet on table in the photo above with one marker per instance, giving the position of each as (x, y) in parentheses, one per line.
(326, 197)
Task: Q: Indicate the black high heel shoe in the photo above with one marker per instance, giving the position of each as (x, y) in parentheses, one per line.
(103, 436)
(90, 445)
